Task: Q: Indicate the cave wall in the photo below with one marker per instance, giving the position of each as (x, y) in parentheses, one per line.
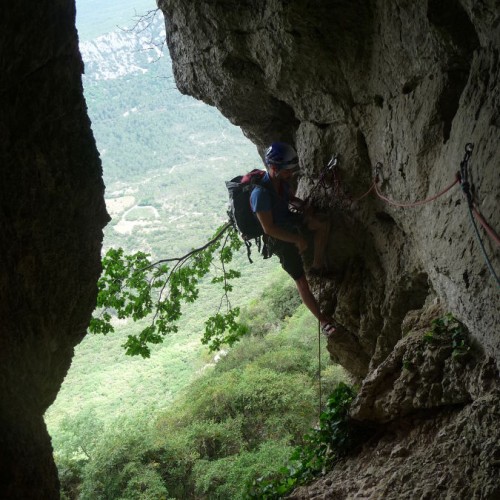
(51, 217)
(403, 83)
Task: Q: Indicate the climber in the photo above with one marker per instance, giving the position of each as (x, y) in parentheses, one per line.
(270, 201)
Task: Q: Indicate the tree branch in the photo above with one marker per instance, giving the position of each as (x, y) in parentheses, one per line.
(192, 252)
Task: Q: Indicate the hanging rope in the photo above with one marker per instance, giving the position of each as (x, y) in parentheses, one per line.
(320, 407)
(464, 174)
(483, 250)
(359, 198)
(461, 178)
(494, 236)
(345, 199)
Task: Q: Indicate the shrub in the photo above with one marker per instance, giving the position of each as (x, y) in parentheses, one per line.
(119, 467)
(278, 301)
(223, 479)
(212, 440)
(334, 438)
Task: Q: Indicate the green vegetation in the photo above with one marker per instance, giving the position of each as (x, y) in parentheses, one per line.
(183, 423)
(335, 436)
(447, 329)
(183, 179)
(239, 420)
(95, 17)
(131, 286)
(140, 213)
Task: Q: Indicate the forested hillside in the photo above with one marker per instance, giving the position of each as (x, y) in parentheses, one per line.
(165, 156)
(238, 421)
(165, 159)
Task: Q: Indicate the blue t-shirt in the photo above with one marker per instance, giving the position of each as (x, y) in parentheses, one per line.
(263, 199)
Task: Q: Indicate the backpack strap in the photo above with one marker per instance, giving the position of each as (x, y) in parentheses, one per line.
(267, 250)
(248, 244)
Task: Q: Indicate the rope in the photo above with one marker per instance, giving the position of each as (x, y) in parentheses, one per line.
(320, 407)
(485, 255)
(460, 178)
(464, 182)
(349, 201)
(486, 226)
(415, 203)
(359, 198)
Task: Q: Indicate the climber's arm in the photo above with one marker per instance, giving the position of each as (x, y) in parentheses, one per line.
(271, 229)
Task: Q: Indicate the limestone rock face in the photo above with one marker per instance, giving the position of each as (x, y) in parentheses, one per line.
(403, 86)
(406, 84)
(403, 83)
(51, 217)
(434, 407)
(428, 369)
(453, 455)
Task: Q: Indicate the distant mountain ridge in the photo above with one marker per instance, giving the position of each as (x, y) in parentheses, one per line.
(97, 17)
(125, 51)
(159, 149)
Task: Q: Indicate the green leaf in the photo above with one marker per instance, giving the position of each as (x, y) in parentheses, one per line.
(133, 287)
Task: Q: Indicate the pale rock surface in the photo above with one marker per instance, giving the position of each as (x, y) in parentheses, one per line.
(405, 84)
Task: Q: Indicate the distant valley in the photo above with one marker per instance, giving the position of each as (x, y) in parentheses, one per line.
(165, 158)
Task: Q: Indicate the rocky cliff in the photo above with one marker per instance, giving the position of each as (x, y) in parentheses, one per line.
(405, 85)
(51, 217)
